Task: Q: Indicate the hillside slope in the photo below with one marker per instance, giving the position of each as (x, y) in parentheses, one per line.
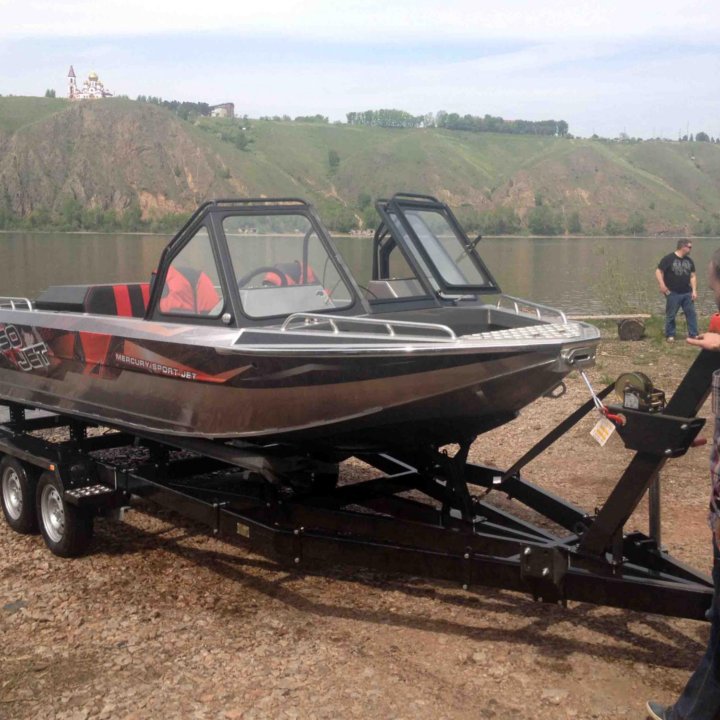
(117, 154)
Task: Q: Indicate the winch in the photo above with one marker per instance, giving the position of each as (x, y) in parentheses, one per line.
(637, 392)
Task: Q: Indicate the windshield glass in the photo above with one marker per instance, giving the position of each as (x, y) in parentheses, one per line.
(281, 266)
(445, 247)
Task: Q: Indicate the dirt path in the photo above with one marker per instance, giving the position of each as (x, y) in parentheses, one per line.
(163, 621)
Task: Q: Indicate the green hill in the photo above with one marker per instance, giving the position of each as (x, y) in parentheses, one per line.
(59, 160)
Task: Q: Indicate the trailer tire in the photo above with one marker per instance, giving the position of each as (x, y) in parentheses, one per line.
(18, 495)
(66, 528)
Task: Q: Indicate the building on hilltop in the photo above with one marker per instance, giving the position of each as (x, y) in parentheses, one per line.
(225, 110)
(92, 88)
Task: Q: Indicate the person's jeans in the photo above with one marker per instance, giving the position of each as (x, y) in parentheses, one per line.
(701, 698)
(675, 301)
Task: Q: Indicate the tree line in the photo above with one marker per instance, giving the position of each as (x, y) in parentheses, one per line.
(357, 215)
(185, 109)
(391, 118)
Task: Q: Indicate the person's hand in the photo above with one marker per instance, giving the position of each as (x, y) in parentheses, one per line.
(664, 290)
(706, 341)
(694, 296)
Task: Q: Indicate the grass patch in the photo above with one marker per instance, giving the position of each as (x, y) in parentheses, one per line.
(16, 112)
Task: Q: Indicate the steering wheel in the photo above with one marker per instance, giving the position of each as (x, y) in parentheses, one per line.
(245, 279)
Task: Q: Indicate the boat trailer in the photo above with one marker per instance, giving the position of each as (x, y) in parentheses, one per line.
(418, 516)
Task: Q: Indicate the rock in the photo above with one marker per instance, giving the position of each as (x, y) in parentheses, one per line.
(14, 606)
(554, 695)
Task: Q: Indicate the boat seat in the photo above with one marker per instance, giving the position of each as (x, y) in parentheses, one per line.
(122, 299)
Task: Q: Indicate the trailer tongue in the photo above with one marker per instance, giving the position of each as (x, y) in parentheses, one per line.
(418, 516)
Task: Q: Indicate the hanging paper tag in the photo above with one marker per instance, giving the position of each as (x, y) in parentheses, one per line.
(602, 431)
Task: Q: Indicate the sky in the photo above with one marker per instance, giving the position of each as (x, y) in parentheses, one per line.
(644, 67)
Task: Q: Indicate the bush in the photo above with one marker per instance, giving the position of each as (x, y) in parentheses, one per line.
(228, 130)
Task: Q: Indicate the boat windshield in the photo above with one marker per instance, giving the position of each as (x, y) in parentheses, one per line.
(282, 266)
(453, 259)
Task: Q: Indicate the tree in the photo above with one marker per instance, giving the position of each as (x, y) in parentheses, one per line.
(71, 213)
(702, 137)
(573, 226)
(132, 217)
(636, 224)
(542, 220)
(49, 93)
(501, 220)
(364, 200)
(703, 227)
(370, 218)
(613, 227)
(339, 217)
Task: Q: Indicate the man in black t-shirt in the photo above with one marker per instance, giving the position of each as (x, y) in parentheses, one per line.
(676, 276)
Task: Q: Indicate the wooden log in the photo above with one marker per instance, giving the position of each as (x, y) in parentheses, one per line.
(631, 329)
(638, 316)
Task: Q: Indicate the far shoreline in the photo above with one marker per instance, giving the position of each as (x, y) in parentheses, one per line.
(357, 235)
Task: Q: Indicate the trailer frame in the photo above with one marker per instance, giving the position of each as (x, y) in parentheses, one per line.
(418, 516)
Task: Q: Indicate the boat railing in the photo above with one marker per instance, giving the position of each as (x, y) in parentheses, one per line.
(15, 303)
(367, 327)
(525, 307)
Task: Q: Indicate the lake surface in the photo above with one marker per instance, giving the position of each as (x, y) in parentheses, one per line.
(588, 275)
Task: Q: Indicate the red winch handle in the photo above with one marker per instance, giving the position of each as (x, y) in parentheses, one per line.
(619, 419)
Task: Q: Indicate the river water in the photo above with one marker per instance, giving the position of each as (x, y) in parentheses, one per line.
(588, 275)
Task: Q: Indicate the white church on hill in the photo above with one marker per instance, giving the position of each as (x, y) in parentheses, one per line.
(92, 88)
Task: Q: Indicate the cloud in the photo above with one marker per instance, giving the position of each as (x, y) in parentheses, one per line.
(355, 21)
(647, 68)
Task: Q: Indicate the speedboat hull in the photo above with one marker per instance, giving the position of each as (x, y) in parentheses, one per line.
(190, 381)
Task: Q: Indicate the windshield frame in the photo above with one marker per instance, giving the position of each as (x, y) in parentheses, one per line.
(397, 207)
(325, 240)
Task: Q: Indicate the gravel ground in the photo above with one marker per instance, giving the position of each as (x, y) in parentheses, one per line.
(161, 620)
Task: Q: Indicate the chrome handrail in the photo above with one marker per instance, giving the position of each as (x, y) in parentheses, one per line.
(394, 328)
(535, 309)
(15, 303)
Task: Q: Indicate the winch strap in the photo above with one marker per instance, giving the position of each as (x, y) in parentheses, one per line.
(596, 400)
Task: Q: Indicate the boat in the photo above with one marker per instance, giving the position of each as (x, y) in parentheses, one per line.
(254, 327)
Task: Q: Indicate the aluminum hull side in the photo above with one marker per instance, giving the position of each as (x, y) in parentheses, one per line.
(155, 382)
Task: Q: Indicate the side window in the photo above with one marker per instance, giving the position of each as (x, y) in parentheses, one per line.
(192, 285)
(399, 267)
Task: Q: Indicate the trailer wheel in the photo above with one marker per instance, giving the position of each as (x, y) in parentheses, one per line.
(66, 529)
(18, 495)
